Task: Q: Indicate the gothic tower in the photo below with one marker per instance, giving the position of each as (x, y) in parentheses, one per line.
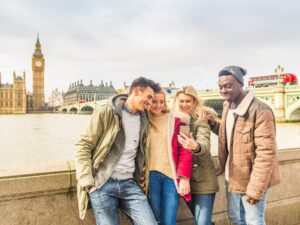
(19, 94)
(38, 67)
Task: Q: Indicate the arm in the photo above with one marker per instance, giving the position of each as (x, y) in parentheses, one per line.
(212, 119)
(215, 127)
(266, 150)
(83, 149)
(184, 167)
(199, 145)
(202, 139)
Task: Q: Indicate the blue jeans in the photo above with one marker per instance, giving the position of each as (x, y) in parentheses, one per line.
(202, 208)
(163, 198)
(240, 212)
(123, 194)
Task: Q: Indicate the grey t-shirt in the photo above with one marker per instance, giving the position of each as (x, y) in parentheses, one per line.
(126, 166)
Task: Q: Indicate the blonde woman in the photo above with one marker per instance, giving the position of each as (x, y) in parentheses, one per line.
(204, 183)
(170, 164)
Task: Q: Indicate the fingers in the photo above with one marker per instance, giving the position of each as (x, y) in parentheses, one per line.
(186, 143)
(181, 140)
(184, 187)
(183, 135)
(184, 191)
(252, 201)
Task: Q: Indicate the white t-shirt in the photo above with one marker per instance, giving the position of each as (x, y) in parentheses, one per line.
(229, 127)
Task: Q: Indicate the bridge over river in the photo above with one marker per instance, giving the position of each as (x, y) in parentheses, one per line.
(284, 100)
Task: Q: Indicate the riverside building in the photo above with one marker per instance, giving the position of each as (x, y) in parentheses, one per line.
(80, 93)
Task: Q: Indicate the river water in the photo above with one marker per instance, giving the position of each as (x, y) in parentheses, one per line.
(44, 138)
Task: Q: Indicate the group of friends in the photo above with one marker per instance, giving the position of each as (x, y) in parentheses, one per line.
(140, 156)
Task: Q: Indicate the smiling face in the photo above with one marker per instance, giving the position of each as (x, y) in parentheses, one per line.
(185, 102)
(230, 88)
(143, 98)
(158, 104)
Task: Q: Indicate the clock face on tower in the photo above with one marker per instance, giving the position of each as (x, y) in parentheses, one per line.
(38, 63)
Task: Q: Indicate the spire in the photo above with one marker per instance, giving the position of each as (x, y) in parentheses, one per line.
(37, 44)
(38, 47)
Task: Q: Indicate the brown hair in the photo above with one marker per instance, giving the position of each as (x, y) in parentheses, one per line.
(143, 83)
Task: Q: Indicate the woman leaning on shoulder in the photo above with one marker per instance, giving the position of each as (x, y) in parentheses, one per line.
(204, 183)
(169, 165)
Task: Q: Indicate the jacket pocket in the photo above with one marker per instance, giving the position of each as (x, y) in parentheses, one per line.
(197, 173)
(246, 135)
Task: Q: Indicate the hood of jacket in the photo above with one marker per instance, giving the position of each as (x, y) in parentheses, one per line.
(117, 102)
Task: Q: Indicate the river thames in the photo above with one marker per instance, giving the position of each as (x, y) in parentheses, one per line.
(47, 138)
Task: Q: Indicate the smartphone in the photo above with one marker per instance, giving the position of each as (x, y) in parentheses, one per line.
(185, 130)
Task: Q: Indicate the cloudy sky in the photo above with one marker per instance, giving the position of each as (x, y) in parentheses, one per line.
(185, 41)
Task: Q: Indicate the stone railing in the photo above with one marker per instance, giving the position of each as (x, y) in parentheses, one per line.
(46, 195)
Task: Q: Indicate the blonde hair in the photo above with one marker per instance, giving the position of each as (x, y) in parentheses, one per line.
(198, 112)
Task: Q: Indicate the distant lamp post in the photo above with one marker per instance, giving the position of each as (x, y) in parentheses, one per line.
(278, 71)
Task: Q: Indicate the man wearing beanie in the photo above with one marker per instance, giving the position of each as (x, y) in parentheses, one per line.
(247, 149)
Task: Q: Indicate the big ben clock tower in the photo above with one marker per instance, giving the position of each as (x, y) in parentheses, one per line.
(38, 67)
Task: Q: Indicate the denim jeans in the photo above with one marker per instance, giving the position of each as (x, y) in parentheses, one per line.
(240, 212)
(163, 198)
(202, 207)
(123, 194)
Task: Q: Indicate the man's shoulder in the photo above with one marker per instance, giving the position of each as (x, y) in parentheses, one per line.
(106, 108)
(261, 110)
(260, 105)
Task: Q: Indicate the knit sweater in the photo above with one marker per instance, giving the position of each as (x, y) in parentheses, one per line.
(159, 159)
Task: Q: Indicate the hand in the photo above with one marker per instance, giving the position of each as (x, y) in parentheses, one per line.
(184, 186)
(90, 189)
(210, 119)
(252, 201)
(187, 142)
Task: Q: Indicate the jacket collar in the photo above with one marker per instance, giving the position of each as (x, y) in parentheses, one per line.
(243, 106)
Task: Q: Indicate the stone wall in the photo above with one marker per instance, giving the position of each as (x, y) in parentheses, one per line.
(46, 195)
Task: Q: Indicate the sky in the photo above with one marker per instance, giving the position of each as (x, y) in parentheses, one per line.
(185, 41)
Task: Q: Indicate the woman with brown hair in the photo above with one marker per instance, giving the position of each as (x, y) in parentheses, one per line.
(204, 183)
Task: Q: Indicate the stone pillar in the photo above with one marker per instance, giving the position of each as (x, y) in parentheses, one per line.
(279, 103)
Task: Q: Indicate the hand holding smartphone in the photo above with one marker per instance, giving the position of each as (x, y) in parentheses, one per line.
(185, 130)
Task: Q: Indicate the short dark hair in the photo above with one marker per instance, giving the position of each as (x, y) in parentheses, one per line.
(143, 83)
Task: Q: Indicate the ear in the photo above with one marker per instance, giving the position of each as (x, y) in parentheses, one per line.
(136, 91)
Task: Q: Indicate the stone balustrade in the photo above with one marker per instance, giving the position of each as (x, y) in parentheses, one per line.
(46, 195)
